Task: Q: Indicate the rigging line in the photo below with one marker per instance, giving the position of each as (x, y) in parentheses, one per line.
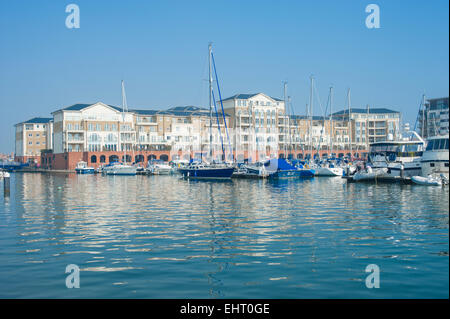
(221, 104)
(324, 118)
(418, 114)
(321, 108)
(218, 123)
(201, 96)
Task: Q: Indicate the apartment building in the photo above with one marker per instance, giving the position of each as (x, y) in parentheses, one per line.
(253, 127)
(433, 119)
(32, 137)
(259, 123)
(100, 134)
(317, 134)
(370, 125)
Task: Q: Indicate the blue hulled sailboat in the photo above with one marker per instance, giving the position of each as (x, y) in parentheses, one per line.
(205, 170)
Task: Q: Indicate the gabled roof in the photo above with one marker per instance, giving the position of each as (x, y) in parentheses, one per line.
(82, 106)
(144, 112)
(364, 111)
(177, 111)
(37, 120)
(241, 96)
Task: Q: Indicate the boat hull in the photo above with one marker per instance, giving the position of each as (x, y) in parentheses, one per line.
(420, 180)
(329, 171)
(120, 170)
(372, 175)
(85, 170)
(207, 173)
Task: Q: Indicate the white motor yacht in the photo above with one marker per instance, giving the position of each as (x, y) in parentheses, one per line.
(401, 158)
(435, 158)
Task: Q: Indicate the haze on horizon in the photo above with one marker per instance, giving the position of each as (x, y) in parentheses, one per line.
(160, 49)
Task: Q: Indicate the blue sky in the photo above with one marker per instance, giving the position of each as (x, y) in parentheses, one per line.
(160, 49)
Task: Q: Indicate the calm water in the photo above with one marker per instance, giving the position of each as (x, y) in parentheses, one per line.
(162, 237)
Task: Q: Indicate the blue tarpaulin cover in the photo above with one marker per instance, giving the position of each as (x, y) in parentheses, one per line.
(280, 163)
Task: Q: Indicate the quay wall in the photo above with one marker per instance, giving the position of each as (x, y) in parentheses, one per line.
(69, 160)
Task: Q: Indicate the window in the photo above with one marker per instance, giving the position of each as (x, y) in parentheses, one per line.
(90, 127)
(98, 127)
(30, 143)
(30, 135)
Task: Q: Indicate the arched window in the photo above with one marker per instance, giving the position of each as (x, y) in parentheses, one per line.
(139, 158)
(93, 159)
(102, 159)
(164, 157)
(113, 158)
(151, 157)
(128, 158)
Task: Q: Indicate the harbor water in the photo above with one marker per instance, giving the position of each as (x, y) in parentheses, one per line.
(165, 237)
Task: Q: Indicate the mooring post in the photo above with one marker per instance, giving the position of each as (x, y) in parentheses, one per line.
(6, 184)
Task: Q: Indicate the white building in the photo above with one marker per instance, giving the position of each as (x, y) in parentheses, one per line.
(32, 137)
(259, 124)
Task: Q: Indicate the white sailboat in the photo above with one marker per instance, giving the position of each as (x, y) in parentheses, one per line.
(121, 168)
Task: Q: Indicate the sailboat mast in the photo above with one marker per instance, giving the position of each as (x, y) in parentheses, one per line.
(285, 112)
(123, 119)
(331, 119)
(311, 116)
(367, 127)
(210, 100)
(423, 115)
(289, 125)
(349, 123)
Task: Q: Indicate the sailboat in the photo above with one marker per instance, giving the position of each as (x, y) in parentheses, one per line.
(118, 168)
(329, 168)
(206, 170)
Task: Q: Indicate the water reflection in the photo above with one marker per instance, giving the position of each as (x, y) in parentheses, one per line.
(162, 236)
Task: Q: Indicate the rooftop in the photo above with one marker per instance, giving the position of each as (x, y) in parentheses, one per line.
(178, 111)
(37, 120)
(242, 96)
(365, 111)
(175, 111)
(81, 106)
(305, 117)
